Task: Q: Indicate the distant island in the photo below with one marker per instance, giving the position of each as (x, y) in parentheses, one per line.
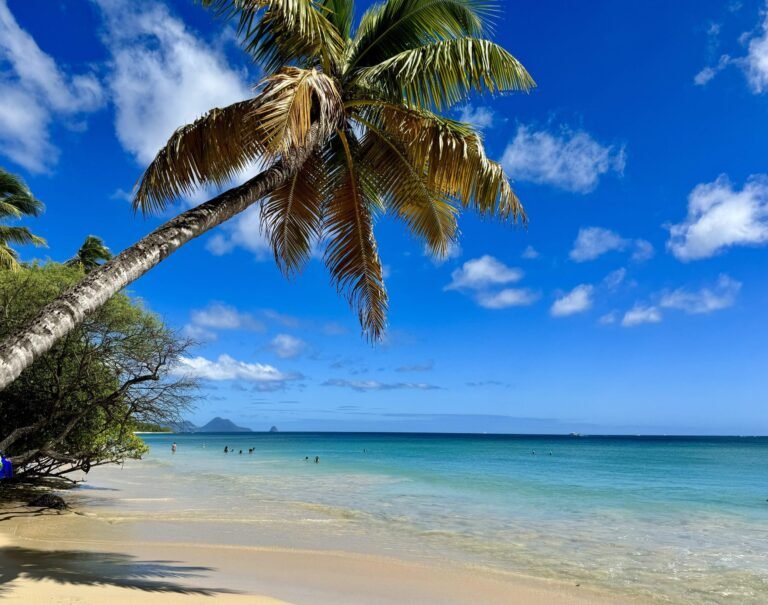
(217, 425)
(273, 429)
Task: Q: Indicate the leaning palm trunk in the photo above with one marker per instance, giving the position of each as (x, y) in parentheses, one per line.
(19, 350)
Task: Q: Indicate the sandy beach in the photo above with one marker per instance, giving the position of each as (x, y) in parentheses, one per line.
(77, 557)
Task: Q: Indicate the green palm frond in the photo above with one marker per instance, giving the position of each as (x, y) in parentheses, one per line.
(20, 236)
(16, 200)
(352, 256)
(91, 254)
(209, 151)
(9, 258)
(428, 213)
(292, 214)
(395, 26)
(290, 102)
(277, 33)
(340, 13)
(450, 154)
(442, 74)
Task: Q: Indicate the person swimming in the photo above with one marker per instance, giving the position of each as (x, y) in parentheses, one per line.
(241, 451)
(317, 459)
(173, 448)
(226, 449)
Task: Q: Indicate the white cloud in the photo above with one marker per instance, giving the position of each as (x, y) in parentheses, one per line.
(643, 251)
(570, 160)
(482, 272)
(163, 75)
(286, 346)
(756, 62)
(508, 297)
(592, 242)
(452, 251)
(375, 385)
(480, 117)
(35, 92)
(228, 368)
(218, 316)
(530, 253)
(245, 232)
(198, 333)
(615, 278)
(720, 217)
(577, 300)
(608, 319)
(705, 300)
(708, 73)
(640, 314)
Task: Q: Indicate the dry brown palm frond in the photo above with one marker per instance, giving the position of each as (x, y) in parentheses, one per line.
(351, 255)
(209, 151)
(291, 101)
(292, 214)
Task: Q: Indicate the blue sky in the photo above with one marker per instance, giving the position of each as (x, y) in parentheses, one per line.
(635, 300)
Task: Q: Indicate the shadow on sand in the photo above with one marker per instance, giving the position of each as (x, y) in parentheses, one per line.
(99, 569)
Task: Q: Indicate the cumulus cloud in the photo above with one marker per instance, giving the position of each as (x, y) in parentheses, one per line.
(577, 300)
(480, 117)
(508, 297)
(163, 75)
(375, 385)
(592, 242)
(35, 92)
(756, 62)
(482, 272)
(453, 251)
(228, 368)
(640, 314)
(218, 316)
(705, 300)
(608, 319)
(720, 216)
(245, 232)
(615, 278)
(570, 160)
(286, 346)
(530, 253)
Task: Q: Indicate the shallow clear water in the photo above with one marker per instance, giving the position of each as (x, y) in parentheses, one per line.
(678, 520)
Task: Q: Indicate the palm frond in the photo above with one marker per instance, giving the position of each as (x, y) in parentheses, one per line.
(351, 255)
(394, 26)
(209, 151)
(292, 214)
(90, 254)
(290, 102)
(9, 258)
(428, 213)
(16, 200)
(441, 74)
(277, 33)
(20, 236)
(340, 13)
(451, 155)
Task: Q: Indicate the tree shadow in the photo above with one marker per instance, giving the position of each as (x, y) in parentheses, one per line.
(6, 514)
(99, 569)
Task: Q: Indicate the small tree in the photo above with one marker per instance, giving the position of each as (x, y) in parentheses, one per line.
(78, 405)
(16, 201)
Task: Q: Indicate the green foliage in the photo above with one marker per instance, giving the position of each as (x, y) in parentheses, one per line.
(16, 201)
(78, 405)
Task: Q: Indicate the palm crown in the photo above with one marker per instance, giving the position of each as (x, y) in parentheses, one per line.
(16, 201)
(364, 107)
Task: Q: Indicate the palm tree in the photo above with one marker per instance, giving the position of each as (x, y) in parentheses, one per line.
(348, 125)
(16, 201)
(90, 253)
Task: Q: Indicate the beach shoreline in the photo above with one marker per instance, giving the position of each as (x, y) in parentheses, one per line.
(77, 556)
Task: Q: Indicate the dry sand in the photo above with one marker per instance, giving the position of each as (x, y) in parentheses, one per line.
(74, 559)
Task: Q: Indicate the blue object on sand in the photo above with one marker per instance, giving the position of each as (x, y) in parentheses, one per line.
(6, 468)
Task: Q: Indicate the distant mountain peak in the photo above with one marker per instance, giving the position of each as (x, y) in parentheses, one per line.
(222, 425)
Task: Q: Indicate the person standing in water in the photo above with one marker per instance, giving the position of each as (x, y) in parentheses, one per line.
(173, 448)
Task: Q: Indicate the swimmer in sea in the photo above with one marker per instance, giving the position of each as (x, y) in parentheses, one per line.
(173, 448)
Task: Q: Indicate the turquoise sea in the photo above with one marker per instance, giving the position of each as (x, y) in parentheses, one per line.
(671, 519)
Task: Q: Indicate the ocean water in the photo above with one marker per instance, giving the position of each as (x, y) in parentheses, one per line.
(671, 520)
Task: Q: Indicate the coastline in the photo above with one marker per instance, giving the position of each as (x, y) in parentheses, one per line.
(77, 556)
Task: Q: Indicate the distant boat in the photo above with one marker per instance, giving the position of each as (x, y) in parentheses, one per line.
(575, 435)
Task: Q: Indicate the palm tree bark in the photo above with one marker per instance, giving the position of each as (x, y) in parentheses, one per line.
(18, 350)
